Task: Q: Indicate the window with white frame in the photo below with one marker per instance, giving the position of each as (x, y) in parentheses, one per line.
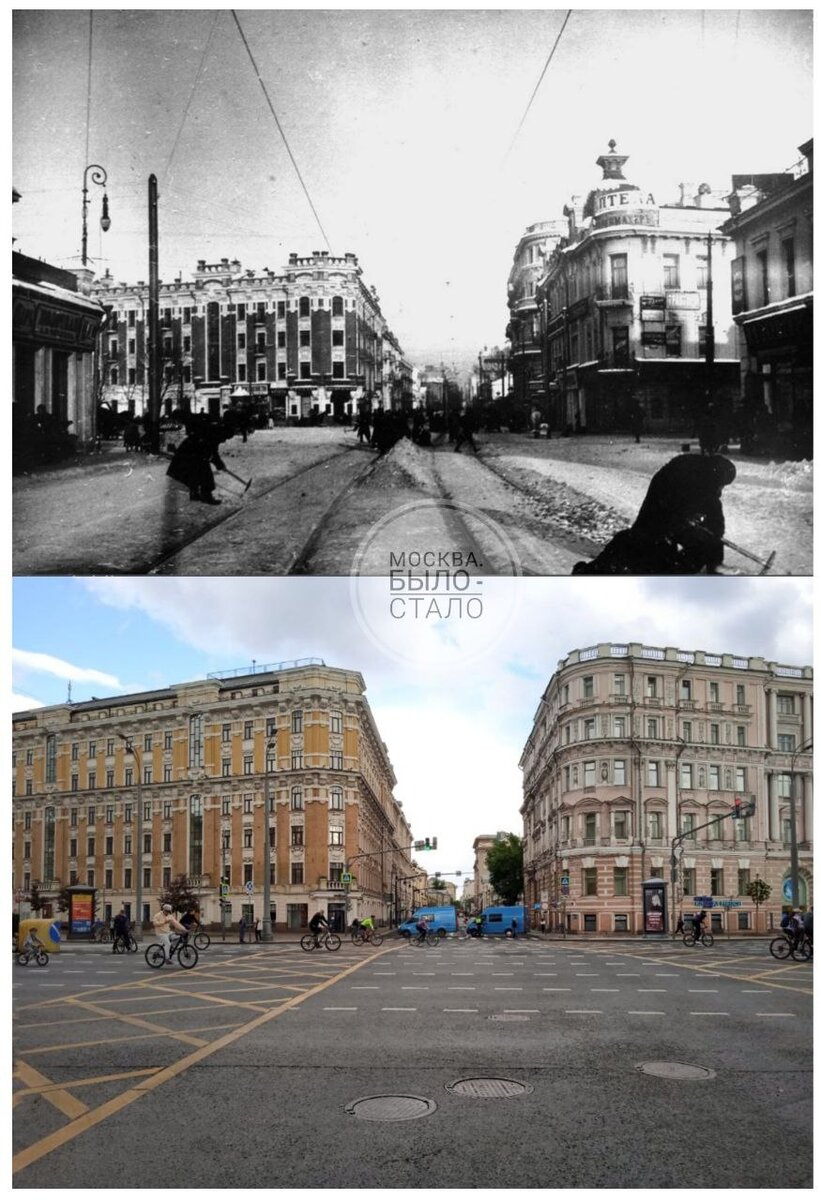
(714, 779)
(619, 770)
(653, 773)
(654, 825)
(687, 775)
(620, 825)
(589, 774)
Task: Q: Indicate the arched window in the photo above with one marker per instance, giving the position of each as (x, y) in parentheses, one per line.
(304, 306)
(337, 306)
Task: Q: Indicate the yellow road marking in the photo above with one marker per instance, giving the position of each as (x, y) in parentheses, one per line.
(110, 1041)
(78, 1083)
(67, 1104)
(715, 969)
(93, 1117)
(139, 1023)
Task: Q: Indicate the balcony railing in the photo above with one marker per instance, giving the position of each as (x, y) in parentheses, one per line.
(614, 294)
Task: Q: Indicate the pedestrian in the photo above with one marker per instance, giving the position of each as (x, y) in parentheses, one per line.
(679, 527)
(363, 425)
(638, 422)
(513, 926)
(242, 928)
(191, 462)
(465, 429)
(542, 925)
(257, 930)
(679, 925)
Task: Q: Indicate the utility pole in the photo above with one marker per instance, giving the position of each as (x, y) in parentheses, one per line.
(153, 316)
(709, 333)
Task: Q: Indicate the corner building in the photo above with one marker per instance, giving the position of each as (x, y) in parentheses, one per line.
(634, 745)
(205, 754)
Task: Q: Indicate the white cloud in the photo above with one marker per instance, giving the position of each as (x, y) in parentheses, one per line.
(29, 661)
(21, 703)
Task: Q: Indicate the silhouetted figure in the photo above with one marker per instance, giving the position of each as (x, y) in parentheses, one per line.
(191, 463)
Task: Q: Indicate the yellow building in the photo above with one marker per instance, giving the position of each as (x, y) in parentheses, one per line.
(173, 783)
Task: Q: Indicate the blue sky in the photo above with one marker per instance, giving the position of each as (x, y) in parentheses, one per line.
(453, 703)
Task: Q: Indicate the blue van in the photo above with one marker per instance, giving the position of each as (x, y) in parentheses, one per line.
(499, 918)
(441, 920)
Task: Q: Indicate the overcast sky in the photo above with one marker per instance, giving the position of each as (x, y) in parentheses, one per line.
(454, 701)
(404, 125)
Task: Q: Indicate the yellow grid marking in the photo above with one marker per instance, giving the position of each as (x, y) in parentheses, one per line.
(139, 1023)
(78, 1083)
(62, 1100)
(715, 969)
(93, 1117)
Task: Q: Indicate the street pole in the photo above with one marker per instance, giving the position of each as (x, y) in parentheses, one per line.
(267, 933)
(99, 176)
(793, 831)
(153, 316)
(131, 749)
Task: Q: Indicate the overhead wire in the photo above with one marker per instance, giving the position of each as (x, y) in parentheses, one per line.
(281, 130)
(538, 85)
(193, 90)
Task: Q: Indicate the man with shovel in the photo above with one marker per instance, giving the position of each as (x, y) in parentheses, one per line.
(191, 463)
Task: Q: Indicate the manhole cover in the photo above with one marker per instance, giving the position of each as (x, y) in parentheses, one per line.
(508, 1017)
(676, 1070)
(390, 1108)
(488, 1089)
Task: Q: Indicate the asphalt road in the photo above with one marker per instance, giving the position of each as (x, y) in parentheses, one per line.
(268, 1067)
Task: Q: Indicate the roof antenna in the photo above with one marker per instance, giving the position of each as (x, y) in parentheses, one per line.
(68, 698)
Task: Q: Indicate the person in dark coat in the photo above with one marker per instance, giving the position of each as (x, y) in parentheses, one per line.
(191, 463)
(465, 429)
(363, 425)
(679, 527)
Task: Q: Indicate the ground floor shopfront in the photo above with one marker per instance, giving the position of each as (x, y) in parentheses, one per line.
(603, 894)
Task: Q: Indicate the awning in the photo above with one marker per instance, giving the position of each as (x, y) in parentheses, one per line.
(45, 314)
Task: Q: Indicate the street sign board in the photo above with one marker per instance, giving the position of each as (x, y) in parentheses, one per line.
(224, 889)
(249, 887)
(704, 901)
(728, 903)
(346, 877)
(565, 885)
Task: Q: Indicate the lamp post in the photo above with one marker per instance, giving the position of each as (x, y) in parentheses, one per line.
(795, 896)
(131, 749)
(267, 933)
(98, 176)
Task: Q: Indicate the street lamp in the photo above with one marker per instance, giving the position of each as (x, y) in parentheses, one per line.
(98, 176)
(807, 745)
(131, 749)
(267, 933)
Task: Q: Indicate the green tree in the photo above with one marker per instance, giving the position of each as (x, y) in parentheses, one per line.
(180, 895)
(759, 893)
(505, 867)
(63, 899)
(36, 901)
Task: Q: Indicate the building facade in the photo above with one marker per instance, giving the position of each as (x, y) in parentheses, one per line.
(633, 746)
(482, 892)
(173, 783)
(635, 306)
(524, 331)
(305, 342)
(54, 335)
(772, 301)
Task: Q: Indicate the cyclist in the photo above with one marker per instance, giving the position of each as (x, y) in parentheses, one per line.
(32, 943)
(422, 928)
(164, 922)
(190, 920)
(120, 930)
(796, 927)
(698, 921)
(317, 921)
(367, 925)
(479, 921)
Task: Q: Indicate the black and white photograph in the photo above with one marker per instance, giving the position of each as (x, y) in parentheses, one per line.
(535, 284)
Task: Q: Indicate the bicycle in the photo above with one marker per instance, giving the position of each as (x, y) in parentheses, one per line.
(424, 939)
(125, 942)
(359, 937)
(187, 955)
(199, 937)
(33, 949)
(100, 933)
(787, 946)
(311, 941)
(689, 938)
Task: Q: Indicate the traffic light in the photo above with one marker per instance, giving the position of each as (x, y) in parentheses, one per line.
(738, 805)
(743, 808)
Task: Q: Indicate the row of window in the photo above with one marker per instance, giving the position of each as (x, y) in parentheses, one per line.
(260, 309)
(691, 776)
(593, 727)
(653, 689)
(335, 803)
(260, 344)
(297, 836)
(655, 827)
(591, 878)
